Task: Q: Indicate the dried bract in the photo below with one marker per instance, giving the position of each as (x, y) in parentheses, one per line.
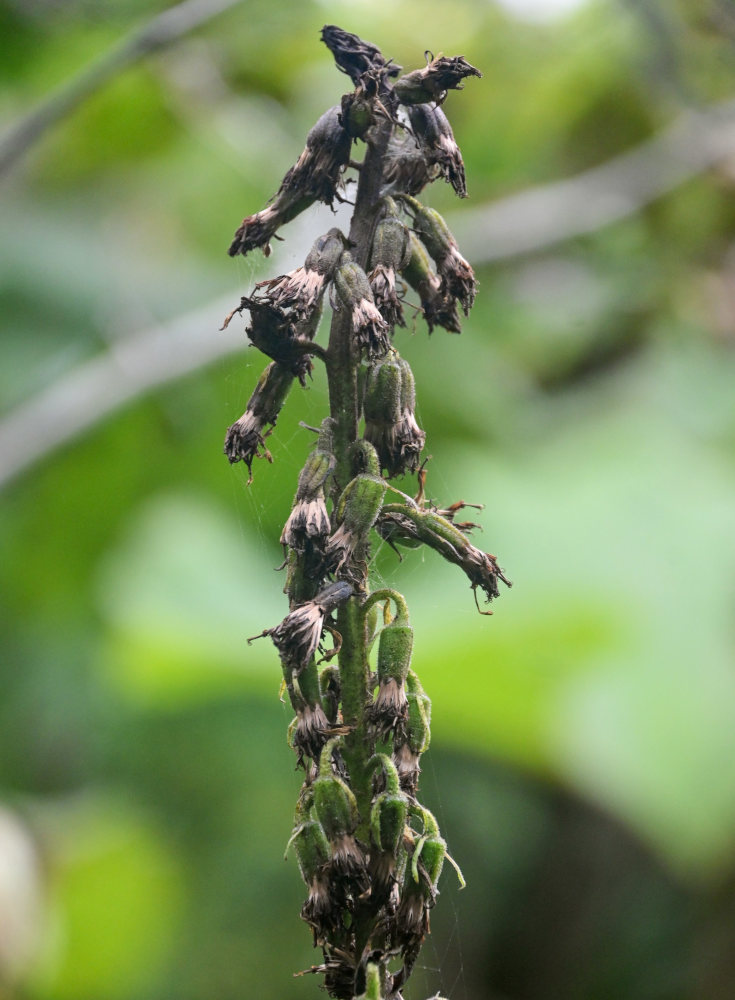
(354, 56)
(296, 638)
(433, 81)
(315, 176)
(245, 439)
(354, 294)
(458, 278)
(436, 140)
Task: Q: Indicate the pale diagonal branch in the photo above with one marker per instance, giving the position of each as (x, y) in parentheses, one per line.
(163, 29)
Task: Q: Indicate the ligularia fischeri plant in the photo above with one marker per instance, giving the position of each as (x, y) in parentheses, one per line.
(369, 853)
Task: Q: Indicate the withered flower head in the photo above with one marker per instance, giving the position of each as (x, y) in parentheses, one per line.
(357, 512)
(312, 731)
(303, 288)
(390, 424)
(389, 252)
(355, 56)
(245, 439)
(279, 335)
(354, 294)
(309, 519)
(297, 637)
(436, 141)
(439, 308)
(315, 176)
(458, 278)
(433, 81)
(406, 169)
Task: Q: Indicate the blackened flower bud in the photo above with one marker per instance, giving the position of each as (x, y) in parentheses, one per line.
(355, 295)
(458, 278)
(439, 308)
(433, 81)
(437, 143)
(314, 177)
(245, 439)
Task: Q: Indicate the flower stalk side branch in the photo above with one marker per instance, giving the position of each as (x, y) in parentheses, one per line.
(369, 852)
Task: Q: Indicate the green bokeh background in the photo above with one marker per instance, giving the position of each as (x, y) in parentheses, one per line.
(583, 756)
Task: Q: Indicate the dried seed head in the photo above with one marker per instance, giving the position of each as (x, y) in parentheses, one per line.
(357, 511)
(433, 81)
(309, 520)
(439, 308)
(388, 254)
(355, 295)
(458, 278)
(354, 56)
(245, 439)
(436, 141)
(297, 637)
(312, 731)
(390, 424)
(302, 289)
(315, 176)
(406, 168)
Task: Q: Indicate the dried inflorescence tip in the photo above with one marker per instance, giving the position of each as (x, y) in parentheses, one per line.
(369, 853)
(315, 176)
(458, 278)
(297, 637)
(437, 143)
(432, 83)
(354, 56)
(354, 294)
(245, 439)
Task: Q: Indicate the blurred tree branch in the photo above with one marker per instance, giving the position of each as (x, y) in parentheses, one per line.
(529, 222)
(160, 31)
(543, 216)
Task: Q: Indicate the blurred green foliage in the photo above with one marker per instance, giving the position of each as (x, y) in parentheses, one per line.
(583, 760)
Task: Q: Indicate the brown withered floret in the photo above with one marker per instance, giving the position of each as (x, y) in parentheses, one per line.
(316, 176)
(437, 143)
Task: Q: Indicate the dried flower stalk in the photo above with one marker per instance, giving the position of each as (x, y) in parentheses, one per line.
(369, 853)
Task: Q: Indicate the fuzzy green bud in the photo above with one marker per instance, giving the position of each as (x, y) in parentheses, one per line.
(360, 503)
(335, 806)
(391, 244)
(311, 847)
(394, 650)
(419, 714)
(388, 821)
(382, 403)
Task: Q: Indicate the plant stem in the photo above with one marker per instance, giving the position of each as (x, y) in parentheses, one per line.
(343, 362)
